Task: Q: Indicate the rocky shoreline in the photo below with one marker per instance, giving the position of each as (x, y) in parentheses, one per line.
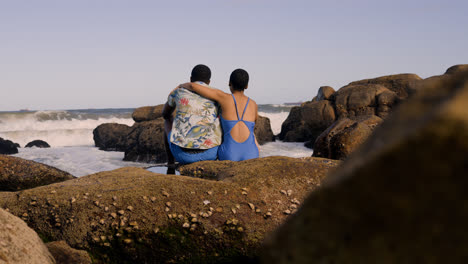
(398, 195)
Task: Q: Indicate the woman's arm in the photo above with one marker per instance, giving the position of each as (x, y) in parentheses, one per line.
(205, 91)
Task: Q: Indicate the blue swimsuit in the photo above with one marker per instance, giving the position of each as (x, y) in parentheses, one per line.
(232, 150)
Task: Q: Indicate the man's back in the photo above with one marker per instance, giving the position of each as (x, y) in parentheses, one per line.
(196, 123)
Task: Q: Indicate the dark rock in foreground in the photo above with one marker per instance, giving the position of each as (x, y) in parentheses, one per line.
(19, 243)
(400, 198)
(38, 144)
(64, 254)
(18, 174)
(8, 147)
(131, 215)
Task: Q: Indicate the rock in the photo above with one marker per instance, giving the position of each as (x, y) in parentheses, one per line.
(456, 69)
(401, 84)
(208, 236)
(344, 136)
(38, 144)
(399, 198)
(18, 174)
(307, 121)
(111, 136)
(20, 244)
(147, 113)
(263, 131)
(356, 100)
(64, 254)
(145, 142)
(345, 142)
(322, 144)
(7, 147)
(324, 93)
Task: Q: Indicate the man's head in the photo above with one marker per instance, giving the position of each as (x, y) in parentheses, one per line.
(239, 80)
(201, 73)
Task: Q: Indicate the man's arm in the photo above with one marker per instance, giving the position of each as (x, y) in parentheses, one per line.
(205, 91)
(167, 111)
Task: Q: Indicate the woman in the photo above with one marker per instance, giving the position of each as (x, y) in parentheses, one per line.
(238, 116)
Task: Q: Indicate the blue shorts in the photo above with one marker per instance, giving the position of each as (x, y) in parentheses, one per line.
(185, 158)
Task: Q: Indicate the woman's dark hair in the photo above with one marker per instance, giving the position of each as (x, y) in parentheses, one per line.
(201, 73)
(239, 79)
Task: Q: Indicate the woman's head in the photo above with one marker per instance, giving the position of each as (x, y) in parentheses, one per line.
(239, 80)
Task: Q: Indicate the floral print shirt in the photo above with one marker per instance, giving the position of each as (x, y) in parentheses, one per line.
(196, 123)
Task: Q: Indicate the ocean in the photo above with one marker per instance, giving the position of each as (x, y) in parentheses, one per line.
(70, 135)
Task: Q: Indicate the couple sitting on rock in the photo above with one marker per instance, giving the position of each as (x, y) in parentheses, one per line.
(194, 133)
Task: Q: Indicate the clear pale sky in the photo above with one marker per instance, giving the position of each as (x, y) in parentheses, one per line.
(66, 54)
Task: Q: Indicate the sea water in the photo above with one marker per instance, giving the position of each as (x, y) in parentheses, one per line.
(70, 135)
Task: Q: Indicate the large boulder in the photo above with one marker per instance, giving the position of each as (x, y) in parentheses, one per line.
(359, 100)
(38, 144)
(307, 121)
(402, 85)
(400, 198)
(147, 113)
(18, 174)
(145, 142)
(344, 136)
(324, 93)
(131, 215)
(263, 131)
(64, 254)
(20, 244)
(111, 136)
(8, 147)
(457, 69)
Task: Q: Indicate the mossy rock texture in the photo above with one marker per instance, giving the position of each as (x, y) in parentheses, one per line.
(18, 174)
(399, 198)
(131, 215)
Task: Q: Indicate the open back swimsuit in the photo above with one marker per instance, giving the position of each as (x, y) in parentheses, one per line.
(231, 149)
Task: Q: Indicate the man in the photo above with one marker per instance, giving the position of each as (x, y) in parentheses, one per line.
(194, 134)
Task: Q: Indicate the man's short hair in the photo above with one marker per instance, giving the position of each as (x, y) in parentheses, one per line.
(201, 73)
(239, 79)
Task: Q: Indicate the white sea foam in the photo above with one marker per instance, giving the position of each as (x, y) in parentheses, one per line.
(276, 120)
(58, 128)
(78, 161)
(70, 135)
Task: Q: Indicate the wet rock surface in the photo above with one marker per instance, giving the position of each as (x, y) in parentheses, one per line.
(111, 136)
(399, 198)
(133, 215)
(8, 147)
(38, 144)
(145, 142)
(19, 244)
(18, 174)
